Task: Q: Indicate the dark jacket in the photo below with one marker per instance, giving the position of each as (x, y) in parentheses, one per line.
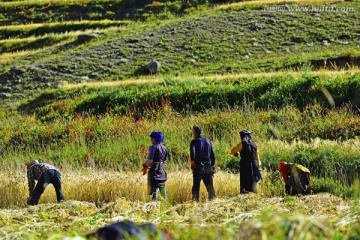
(201, 151)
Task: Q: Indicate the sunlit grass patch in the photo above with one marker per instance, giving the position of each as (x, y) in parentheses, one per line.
(41, 2)
(260, 3)
(14, 45)
(220, 77)
(130, 82)
(8, 57)
(42, 29)
(56, 24)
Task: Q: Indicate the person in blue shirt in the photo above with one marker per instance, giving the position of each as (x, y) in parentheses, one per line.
(202, 164)
(157, 156)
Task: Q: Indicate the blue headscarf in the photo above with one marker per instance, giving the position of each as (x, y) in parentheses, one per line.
(157, 136)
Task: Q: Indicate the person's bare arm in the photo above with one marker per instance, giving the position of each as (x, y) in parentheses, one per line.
(257, 156)
(235, 151)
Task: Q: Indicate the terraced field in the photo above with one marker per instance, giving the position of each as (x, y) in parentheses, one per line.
(200, 43)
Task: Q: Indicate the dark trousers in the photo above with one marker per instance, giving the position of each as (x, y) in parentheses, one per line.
(208, 181)
(155, 193)
(50, 176)
(155, 187)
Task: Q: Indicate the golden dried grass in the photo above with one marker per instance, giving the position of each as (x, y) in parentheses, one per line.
(106, 186)
(41, 2)
(8, 57)
(51, 24)
(101, 186)
(130, 82)
(122, 196)
(220, 77)
(259, 3)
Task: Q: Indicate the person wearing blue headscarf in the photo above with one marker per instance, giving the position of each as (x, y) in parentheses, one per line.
(158, 154)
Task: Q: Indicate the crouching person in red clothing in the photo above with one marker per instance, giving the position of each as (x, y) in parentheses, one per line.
(296, 177)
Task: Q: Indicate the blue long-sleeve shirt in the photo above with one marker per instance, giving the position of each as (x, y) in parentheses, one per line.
(201, 150)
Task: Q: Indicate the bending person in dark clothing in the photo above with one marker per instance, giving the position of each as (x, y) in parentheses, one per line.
(296, 178)
(249, 162)
(44, 174)
(202, 164)
(157, 176)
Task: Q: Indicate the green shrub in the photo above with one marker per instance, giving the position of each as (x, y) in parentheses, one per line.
(262, 92)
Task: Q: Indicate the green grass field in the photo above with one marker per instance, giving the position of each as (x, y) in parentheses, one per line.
(291, 77)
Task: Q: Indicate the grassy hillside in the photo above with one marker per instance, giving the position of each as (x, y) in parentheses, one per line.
(218, 40)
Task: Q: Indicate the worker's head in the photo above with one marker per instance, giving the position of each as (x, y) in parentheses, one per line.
(245, 134)
(156, 137)
(31, 163)
(281, 165)
(197, 131)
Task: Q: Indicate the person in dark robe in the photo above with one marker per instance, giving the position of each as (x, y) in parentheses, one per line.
(158, 154)
(249, 163)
